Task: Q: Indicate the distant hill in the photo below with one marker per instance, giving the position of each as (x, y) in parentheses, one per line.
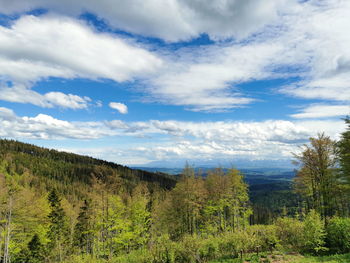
(63, 169)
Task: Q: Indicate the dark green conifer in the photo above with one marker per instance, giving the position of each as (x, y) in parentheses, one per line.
(83, 232)
(36, 250)
(58, 231)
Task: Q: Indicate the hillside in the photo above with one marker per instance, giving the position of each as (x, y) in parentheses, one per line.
(64, 170)
(63, 207)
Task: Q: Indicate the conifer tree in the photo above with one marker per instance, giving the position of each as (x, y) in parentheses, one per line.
(58, 230)
(83, 232)
(35, 250)
(344, 153)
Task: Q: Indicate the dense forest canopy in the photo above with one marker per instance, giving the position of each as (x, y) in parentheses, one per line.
(63, 207)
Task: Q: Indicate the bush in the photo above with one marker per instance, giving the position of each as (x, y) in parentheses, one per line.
(314, 233)
(290, 233)
(210, 249)
(266, 236)
(187, 251)
(338, 235)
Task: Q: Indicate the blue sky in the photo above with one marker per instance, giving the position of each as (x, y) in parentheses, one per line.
(142, 82)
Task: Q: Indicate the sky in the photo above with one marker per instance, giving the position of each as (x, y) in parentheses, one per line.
(147, 82)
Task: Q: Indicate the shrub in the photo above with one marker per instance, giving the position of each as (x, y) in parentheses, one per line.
(266, 236)
(187, 251)
(290, 233)
(210, 249)
(314, 233)
(338, 235)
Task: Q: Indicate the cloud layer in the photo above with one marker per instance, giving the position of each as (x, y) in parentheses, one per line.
(188, 19)
(304, 39)
(273, 139)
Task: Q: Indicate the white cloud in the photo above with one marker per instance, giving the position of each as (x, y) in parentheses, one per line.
(274, 139)
(35, 48)
(322, 111)
(209, 81)
(46, 127)
(214, 141)
(167, 140)
(309, 41)
(171, 20)
(22, 94)
(120, 107)
(322, 32)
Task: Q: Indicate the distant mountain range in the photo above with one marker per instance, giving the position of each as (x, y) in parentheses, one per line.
(225, 163)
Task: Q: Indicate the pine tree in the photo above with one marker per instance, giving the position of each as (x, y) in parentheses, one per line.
(35, 250)
(58, 231)
(343, 147)
(344, 152)
(83, 232)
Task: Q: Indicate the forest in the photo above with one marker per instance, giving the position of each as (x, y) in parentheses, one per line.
(63, 207)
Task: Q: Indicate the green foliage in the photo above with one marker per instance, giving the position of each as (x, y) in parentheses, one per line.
(58, 233)
(35, 250)
(290, 233)
(344, 151)
(83, 231)
(314, 233)
(131, 216)
(338, 235)
(317, 180)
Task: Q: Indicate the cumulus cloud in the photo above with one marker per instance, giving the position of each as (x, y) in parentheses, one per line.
(304, 39)
(46, 127)
(120, 107)
(273, 139)
(36, 48)
(23, 94)
(322, 111)
(187, 19)
(214, 141)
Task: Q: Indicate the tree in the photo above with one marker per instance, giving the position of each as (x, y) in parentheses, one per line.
(36, 250)
(316, 181)
(344, 151)
(58, 231)
(239, 210)
(83, 232)
(314, 233)
(227, 203)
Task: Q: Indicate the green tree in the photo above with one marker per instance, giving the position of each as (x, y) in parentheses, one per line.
(314, 233)
(344, 160)
(35, 250)
(83, 231)
(317, 181)
(227, 205)
(338, 235)
(58, 231)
